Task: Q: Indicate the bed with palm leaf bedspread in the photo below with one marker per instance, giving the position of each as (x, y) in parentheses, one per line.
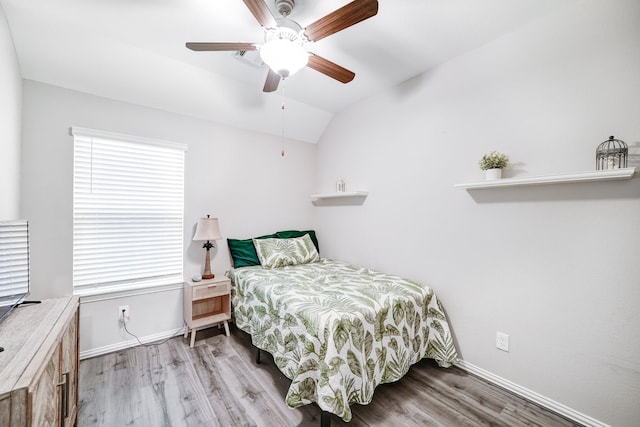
(337, 330)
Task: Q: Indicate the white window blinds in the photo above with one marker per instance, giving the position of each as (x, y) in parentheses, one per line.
(128, 196)
(14, 259)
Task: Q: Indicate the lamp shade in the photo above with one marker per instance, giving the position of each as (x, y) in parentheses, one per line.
(284, 57)
(207, 229)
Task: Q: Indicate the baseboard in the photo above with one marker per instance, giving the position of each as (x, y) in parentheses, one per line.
(531, 396)
(86, 354)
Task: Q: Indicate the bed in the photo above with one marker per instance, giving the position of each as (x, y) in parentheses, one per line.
(336, 330)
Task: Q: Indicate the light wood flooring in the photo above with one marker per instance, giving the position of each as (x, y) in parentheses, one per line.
(218, 383)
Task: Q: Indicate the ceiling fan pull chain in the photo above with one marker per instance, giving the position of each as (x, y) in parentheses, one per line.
(282, 108)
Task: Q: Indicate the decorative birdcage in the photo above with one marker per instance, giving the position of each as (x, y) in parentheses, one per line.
(612, 154)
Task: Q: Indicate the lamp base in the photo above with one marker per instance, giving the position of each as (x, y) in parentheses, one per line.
(207, 274)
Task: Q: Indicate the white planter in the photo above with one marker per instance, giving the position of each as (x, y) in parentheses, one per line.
(493, 174)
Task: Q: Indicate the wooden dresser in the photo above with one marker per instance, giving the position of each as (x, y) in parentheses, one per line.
(39, 365)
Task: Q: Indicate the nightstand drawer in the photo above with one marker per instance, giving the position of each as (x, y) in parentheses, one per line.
(211, 290)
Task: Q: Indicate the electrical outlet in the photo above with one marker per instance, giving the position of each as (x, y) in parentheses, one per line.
(502, 341)
(123, 313)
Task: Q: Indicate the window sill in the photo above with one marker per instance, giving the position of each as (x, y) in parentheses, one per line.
(123, 291)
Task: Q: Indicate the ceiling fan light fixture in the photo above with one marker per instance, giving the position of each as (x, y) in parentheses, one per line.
(283, 56)
(285, 41)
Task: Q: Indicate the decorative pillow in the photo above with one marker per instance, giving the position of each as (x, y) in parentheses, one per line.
(243, 252)
(288, 234)
(274, 253)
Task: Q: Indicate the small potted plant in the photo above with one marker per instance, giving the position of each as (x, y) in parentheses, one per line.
(493, 163)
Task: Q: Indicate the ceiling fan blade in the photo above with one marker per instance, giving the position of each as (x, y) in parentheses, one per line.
(205, 46)
(346, 16)
(329, 68)
(261, 12)
(272, 82)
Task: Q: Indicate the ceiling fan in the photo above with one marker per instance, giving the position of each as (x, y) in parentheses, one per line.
(284, 48)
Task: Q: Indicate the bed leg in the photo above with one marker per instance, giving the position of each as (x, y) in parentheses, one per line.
(325, 419)
(258, 356)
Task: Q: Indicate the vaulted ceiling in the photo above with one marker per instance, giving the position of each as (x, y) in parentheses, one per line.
(134, 51)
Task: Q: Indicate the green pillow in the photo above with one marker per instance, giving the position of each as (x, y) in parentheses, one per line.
(288, 234)
(243, 252)
(274, 253)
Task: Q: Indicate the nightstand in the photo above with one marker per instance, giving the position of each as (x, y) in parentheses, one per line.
(206, 303)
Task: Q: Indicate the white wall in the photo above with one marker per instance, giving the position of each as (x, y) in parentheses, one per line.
(10, 106)
(237, 176)
(555, 267)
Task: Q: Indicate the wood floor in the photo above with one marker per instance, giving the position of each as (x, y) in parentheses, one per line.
(218, 383)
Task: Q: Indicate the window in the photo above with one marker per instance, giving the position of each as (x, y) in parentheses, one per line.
(128, 197)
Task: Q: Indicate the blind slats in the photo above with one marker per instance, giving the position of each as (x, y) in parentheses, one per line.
(127, 210)
(14, 258)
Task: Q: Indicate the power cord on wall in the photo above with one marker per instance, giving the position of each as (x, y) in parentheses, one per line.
(124, 324)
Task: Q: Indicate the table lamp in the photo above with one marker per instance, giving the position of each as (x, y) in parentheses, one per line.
(207, 229)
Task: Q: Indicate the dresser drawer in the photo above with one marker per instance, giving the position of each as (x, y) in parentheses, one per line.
(211, 290)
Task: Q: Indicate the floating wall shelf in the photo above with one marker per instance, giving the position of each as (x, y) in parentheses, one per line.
(602, 175)
(329, 196)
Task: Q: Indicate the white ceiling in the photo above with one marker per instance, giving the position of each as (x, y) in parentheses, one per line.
(134, 51)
